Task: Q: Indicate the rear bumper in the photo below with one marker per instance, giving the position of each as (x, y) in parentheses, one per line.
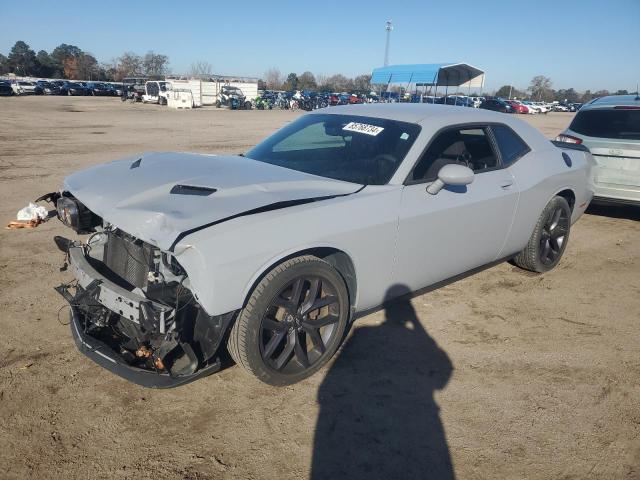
(616, 194)
(599, 200)
(104, 356)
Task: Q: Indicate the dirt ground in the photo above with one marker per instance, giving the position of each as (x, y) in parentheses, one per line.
(507, 374)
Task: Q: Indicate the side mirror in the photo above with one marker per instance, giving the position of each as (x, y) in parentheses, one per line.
(452, 174)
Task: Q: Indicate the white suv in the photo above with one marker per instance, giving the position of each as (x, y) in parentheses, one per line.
(610, 128)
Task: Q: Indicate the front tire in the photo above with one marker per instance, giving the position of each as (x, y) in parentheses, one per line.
(292, 323)
(549, 238)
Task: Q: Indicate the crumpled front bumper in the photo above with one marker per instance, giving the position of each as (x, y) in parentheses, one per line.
(133, 306)
(106, 357)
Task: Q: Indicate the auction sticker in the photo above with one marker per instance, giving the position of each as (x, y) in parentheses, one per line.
(362, 128)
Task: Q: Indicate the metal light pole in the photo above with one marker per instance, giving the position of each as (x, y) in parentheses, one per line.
(388, 27)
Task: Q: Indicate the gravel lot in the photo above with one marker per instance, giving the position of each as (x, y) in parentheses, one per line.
(508, 374)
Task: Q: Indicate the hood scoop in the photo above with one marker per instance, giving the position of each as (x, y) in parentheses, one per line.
(192, 190)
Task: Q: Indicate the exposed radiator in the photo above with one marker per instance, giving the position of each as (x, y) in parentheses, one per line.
(128, 258)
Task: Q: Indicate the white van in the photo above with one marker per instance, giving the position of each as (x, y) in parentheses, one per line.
(156, 92)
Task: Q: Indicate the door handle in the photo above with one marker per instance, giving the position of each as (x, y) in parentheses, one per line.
(506, 184)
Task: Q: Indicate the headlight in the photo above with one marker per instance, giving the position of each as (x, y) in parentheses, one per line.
(68, 212)
(75, 215)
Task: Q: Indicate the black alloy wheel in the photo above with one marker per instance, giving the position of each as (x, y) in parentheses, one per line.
(299, 323)
(292, 323)
(549, 238)
(554, 231)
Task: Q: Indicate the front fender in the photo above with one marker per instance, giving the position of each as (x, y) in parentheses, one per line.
(225, 261)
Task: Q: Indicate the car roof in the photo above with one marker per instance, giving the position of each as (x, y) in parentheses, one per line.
(434, 117)
(416, 112)
(613, 101)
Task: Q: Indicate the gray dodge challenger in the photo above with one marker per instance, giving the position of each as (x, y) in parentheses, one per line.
(271, 254)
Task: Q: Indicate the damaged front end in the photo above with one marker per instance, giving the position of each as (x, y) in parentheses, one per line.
(133, 313)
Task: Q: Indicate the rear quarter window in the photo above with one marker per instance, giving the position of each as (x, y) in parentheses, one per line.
(609, 123)
(511, 146)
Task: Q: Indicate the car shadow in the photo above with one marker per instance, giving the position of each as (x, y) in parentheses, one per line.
(378, 417)
(628, 212)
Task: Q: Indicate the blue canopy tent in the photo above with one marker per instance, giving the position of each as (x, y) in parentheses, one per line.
(430, 74)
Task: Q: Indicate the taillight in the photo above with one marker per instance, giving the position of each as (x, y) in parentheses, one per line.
(568, 139)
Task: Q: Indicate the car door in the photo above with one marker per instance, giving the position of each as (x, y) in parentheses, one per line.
(459, 228)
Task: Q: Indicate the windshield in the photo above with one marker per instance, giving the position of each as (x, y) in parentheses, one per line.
(363, 150)
(614, 123)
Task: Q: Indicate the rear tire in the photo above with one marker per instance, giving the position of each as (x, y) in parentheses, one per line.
(549, 238)
(292, 323)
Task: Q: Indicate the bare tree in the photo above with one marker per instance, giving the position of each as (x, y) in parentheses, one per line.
(273, 78)
(86, 66)
(321, 80)
(509, 91)
(155, 64)
(201, 69)
(307, 81)
(128, 65)
(339, 83)
(540, 88)
(362, 83)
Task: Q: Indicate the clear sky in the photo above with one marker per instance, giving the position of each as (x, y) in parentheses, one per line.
(585, 44)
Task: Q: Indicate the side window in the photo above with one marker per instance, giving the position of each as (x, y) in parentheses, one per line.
(464, 146)
(511, 146)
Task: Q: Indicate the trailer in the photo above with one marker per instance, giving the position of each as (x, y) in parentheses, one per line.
(205, 90)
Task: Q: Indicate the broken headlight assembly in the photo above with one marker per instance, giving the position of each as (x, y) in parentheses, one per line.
(75, 215)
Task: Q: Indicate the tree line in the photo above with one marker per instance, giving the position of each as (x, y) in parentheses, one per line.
(274, 80)
(541, 88)
(71, 62)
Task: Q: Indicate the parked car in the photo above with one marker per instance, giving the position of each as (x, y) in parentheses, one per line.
(477, 101)
(459, 101)
(272, 251)
(23, 87)
(48, 88)
(610, 128)
(57, 86)
(5, 88)
(73, 88)
(533, 109)
(542, 108)
(99, 89)
(497, 105)
(517, 106)
(117, 88)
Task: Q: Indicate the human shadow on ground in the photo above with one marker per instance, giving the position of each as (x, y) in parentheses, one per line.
(378, 418)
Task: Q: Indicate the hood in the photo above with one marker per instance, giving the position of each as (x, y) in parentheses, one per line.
(159, 196)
